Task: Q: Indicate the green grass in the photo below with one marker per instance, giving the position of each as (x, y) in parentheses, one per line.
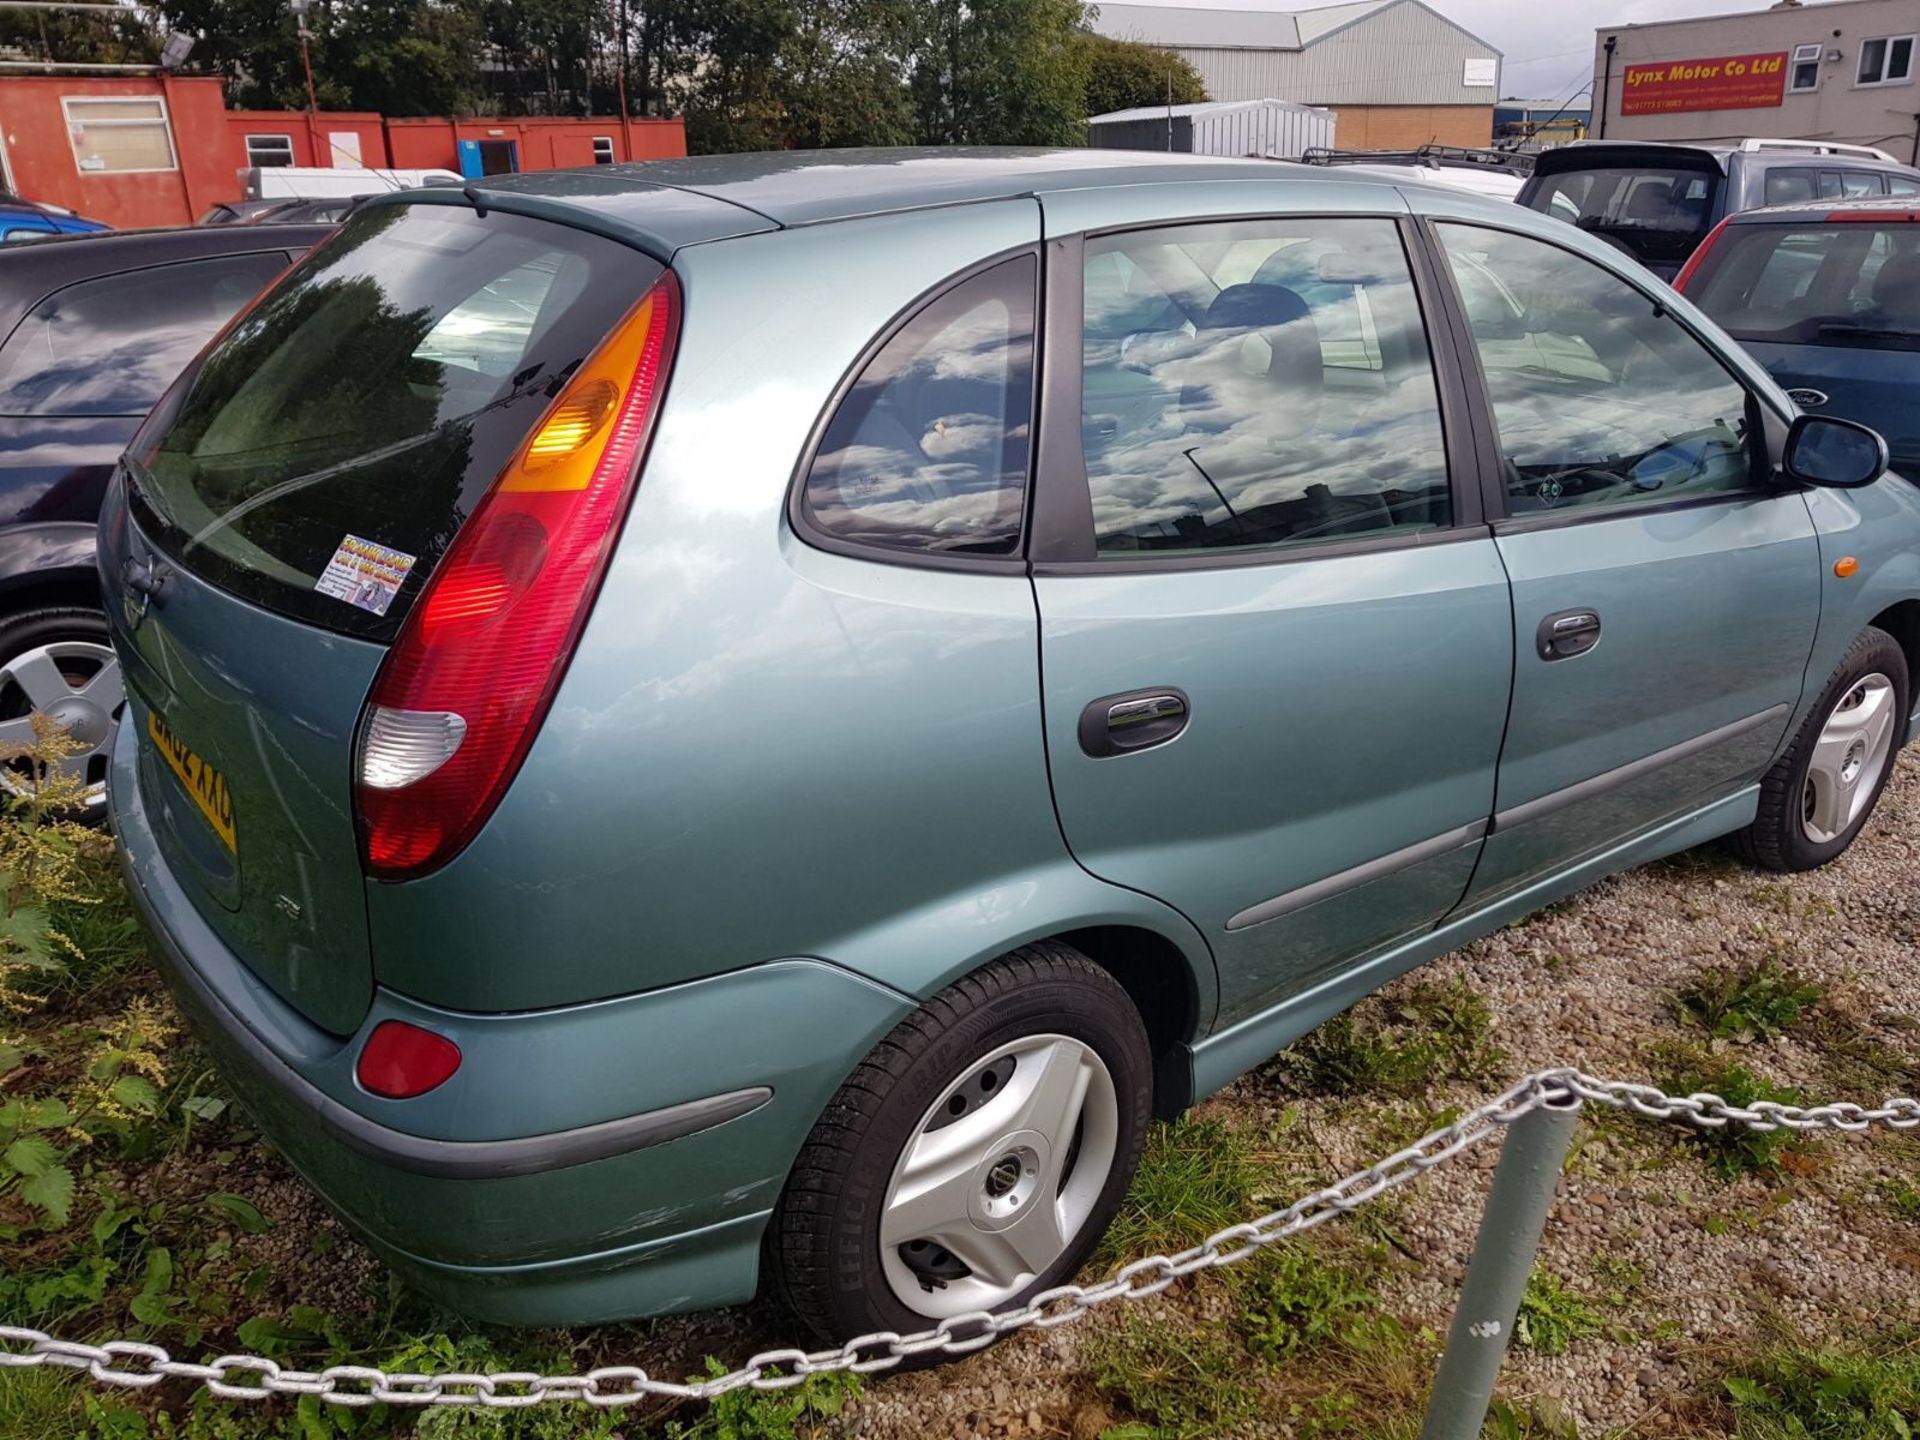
(1735, 1150)
(1400, 1046)
(1796, 1391)
(1902, 1197)
(1294, 1297)
(1752, 1002)
(1182, 1380)
(1552, 1318)
(1704, 862)
(1196, 1176)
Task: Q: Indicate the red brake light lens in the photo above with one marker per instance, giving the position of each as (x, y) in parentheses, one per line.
(1687, 270)
(401, 1061)
(467, 683)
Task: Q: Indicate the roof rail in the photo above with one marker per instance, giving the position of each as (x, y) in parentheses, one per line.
(1820, 147)
(1431, 155)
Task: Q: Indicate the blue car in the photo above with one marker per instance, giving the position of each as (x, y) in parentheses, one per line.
(1826, 295)
(26, 220)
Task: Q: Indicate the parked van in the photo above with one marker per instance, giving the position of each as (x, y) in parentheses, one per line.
(1659, 201)
(305, 182)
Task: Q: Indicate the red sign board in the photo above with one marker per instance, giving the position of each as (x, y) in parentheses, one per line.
(1726, 82)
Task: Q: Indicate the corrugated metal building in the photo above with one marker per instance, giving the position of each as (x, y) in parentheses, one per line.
(1397, 73)
(1272, 129)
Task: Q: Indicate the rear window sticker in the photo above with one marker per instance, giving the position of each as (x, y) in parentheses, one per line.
(365, 574)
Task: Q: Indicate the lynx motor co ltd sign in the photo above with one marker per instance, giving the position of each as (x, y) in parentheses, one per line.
(1726, 82)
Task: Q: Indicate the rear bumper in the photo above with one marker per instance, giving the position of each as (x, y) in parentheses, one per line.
(597, 1162)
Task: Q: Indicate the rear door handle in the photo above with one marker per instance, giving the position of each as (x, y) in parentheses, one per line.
(1132, 720)
(1567, 633)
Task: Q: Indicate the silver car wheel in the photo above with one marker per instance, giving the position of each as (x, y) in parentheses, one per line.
(77, 684)
(1001, 1174)
(1848, 759)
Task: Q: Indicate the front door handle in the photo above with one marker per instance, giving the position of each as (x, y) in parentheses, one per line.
(1567, 633)
(1132, 720)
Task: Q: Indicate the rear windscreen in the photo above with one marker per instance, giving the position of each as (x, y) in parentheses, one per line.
(329, 447)
(1853, 284)
(1657, 212)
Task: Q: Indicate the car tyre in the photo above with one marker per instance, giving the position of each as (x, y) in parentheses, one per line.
(1820, 793)
(956, 1122)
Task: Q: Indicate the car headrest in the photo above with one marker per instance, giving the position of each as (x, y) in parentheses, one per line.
(1247, 307)
(1897, 286)
(1650, 202)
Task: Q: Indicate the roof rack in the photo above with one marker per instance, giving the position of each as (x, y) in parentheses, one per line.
(1431, 156)
(1819, 147)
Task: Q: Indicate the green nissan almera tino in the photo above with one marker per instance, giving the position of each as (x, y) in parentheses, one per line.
(752, 721)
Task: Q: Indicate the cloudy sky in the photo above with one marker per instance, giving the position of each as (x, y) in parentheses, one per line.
(1548, 43)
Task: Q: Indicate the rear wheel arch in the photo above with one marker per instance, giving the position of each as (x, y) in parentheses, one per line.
(1160, 980)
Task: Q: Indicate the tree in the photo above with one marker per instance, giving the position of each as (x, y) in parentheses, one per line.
(400, 57)
(1000, 72)
(116, 35)
(844, 73)
(1122, 74)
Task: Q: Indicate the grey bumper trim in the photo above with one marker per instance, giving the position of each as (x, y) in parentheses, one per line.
(449, 1159)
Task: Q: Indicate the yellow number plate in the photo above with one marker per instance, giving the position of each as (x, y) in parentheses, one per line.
(206, 785)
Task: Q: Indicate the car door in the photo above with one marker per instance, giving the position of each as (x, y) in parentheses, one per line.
(1275, 637)
(1665, 590)
(86, 363)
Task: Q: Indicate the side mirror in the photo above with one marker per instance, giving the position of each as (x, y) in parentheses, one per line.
(1835, 454)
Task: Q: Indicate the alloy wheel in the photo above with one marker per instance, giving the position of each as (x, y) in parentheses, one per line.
(999, 1177)
(77, 684)
(1848, 759)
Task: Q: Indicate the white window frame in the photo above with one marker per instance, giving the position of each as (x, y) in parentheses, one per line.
(1805, 55)
(1887, 41)
(604, 144)
(165, 123)
(276, 142)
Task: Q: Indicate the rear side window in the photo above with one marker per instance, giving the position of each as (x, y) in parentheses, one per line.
(1791, 186)
(371, 400)
(110, 346)
(927, 452)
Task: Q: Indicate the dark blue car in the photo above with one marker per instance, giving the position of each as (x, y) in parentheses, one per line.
(25, 220)
(1826, 295)
(92, 329)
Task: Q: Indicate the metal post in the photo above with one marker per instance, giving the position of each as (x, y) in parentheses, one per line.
(1531, 1154)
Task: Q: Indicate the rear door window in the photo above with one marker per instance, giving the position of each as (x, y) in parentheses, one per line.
(111, 345)
(373, 398)
(1257, 383)
(927, 452)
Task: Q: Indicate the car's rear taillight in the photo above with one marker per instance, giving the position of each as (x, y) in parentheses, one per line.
(462, 693)
(1692, 267)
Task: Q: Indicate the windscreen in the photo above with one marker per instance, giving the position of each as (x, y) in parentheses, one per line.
(1853, 284)
(1658, 213)
(329, 447)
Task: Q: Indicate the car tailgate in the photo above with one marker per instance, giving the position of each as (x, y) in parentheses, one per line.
(247, 720)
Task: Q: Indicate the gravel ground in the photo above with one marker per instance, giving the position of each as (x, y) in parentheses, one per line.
(1590, 984)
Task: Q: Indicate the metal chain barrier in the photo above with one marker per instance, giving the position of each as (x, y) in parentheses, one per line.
(138, 1365)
